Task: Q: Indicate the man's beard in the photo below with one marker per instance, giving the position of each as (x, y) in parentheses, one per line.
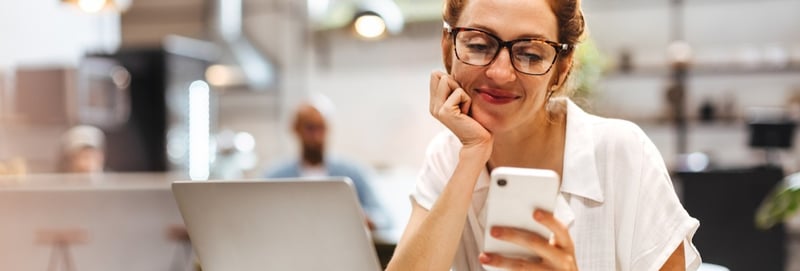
(312, 156)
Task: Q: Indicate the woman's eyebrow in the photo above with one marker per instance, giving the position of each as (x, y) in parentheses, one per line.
(537, 36)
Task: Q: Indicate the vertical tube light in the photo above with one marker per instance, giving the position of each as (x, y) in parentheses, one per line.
(199, 129)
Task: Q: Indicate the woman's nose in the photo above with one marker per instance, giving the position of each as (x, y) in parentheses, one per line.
(501, 69)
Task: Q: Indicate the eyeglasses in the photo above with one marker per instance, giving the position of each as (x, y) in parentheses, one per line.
(480, 48)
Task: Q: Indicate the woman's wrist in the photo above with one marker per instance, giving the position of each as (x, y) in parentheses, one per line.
(479, 152)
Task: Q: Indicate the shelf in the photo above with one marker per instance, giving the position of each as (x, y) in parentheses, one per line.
(707, 70)
(720, 125)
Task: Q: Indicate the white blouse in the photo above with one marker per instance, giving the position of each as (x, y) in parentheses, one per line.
(616, 197)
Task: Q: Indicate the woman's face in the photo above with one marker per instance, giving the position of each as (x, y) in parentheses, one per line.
(503, 98)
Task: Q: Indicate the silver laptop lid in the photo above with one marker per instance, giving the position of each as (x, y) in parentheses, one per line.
(279, 224)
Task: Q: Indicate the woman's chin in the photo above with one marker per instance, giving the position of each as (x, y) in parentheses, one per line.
(491, 123)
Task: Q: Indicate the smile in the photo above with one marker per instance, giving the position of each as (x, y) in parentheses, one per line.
(496, 97)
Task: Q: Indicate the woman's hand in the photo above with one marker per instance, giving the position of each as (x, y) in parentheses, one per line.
(556, 255)
(450, 104)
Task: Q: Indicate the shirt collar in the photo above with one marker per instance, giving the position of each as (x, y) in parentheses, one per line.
(562, 211)
(580, 168)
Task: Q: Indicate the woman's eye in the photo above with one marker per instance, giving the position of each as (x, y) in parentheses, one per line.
(478, 47)
(530, 57)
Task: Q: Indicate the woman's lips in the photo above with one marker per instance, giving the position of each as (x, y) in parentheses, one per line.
(496, 97)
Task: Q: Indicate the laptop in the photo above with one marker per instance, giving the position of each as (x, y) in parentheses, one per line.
(278, 224)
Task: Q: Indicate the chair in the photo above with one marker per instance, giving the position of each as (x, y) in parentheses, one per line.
(725, 202)
(61, 240)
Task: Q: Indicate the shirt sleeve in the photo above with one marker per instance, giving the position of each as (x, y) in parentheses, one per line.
(362, 180)
(286, 169)
(435, 172)
(661, 222)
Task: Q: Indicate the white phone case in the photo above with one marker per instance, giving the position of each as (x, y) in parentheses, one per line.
(513, 196)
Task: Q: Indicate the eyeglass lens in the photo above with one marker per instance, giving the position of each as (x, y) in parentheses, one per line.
(528, 56)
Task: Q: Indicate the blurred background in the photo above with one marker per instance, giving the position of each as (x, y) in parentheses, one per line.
(204, 89)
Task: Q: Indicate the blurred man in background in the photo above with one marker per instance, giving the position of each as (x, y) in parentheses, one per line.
(310, 126)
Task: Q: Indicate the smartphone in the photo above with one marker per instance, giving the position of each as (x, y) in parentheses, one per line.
(514, 193)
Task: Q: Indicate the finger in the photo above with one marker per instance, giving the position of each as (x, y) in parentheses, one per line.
(530, 240)
(439, 90)
(445, 86)
(436, 76)
(560, 232)
(465, 106)
(497, 260)
(443, 91)
(436, 100)
(454, 102)
(451, 82)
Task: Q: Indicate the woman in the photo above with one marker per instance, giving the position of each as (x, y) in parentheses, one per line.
(505, 104)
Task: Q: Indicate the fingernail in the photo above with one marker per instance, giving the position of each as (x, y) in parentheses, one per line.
(484, 258)
(538, 215)
(495, 232)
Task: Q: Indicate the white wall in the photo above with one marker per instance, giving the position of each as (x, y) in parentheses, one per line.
(381, 93)
(48, 32)
(44, 33)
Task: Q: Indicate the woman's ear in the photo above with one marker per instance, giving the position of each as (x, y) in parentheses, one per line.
(563, 67)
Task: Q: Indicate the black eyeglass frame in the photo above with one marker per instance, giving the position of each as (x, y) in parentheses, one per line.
(559, 47)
